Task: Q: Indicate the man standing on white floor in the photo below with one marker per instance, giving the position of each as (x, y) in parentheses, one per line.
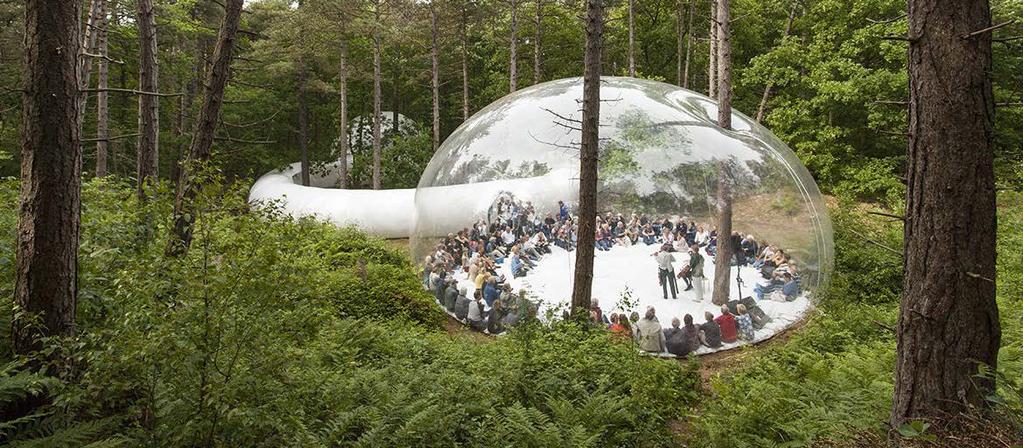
(666, 271)
(696, 271)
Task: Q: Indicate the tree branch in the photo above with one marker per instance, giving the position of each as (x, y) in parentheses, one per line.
(116, 137)
(133, 92)
(900, 218)
(251, 142)
(865, 238)
(882, 21)
(101, 56)
(987, 30)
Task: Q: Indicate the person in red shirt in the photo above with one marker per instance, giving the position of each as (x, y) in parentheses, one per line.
(729, 332)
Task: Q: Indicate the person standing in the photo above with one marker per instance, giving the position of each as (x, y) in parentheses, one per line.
(696, 277)
(666, 271)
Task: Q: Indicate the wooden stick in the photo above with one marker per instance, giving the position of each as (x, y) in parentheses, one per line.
(988, 29)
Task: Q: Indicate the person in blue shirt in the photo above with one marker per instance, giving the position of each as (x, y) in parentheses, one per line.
(562, 210)
(490, 292)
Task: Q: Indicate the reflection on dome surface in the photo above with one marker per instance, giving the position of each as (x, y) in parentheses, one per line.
(662, 156)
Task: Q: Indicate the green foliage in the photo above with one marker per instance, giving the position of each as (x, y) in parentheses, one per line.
(833, 378)
(281, 332)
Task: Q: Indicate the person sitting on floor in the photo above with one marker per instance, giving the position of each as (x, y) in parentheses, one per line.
(674, 339)
(450, 294)
(490, 291)
(462, 295)
(744, 323)
(691, 333)
(710, 332)
(475, 315)
(518, 267)
(651, 338)
(494, 325)
(649, 236)
(616, 327)
(462, 306)
(729, 331)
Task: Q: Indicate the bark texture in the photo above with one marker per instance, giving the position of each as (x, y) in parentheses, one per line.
(303, 127)
(102, 97)
(537, 47)
(513, 76)
(45, 284)
(762, 108)
(205, 128)
(723, 258)
(583, 282)
(434, 76)
(463, 30)
(147, 161)
(632, 38)
(343, 125)
(376, 99)
(712, 65)
(948, 317)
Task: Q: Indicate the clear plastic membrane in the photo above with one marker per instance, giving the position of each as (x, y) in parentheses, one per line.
(662, 157)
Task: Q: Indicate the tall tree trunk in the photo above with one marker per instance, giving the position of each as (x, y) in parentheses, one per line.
(343, 125)
(45, 285)
(583, 283)
(303, 127)
(513, 48)
(465, 62)
(632, 38)
(205, 129)
(434, 75)
(537, 47)
(88, 45)
(712, 55)
(762, 108)
(948, 317)
(680, 42)
(102, 97)
(725, 250)
(147, 162)
(376, 99)
(689, 45)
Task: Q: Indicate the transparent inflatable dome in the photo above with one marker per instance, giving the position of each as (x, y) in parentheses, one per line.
(497, 181)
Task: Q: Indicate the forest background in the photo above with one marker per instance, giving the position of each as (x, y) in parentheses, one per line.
(283, 334)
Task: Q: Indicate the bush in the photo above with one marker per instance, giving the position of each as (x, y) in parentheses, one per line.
(282, 332)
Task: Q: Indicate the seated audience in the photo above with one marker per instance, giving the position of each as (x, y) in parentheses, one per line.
(651, 338)
(729, 332)
(691, 333)
(710, 332)
(675, 340)
(475, 314)
(744, 323)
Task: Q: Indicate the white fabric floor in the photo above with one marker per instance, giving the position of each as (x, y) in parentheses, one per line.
(633, 269)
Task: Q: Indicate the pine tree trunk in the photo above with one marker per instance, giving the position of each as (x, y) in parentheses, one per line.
(45, 284)
(680, 34)
(434, 76)
(513, 48)
(537, 47)
(712, 56)
(948, 316)
(147, 162)
(303, 128)
(689, 45)
(632, 38)
(343, 125)
(583, 282)
(762, 108)
(723, 258)
(205, 130)
(465, 63)
(88, 45)
(102, 97)
(376, 99)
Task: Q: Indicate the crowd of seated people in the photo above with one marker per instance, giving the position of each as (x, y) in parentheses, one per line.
(519, 236)
(735, 324)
